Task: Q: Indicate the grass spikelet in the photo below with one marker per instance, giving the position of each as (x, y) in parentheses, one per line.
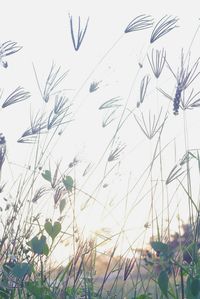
(193, 101)
(141, 22)
(18, 95)
(77, 38)
(87, 169)
(38, 126)
(57, 116)
(38, 194)
(53, 80)
(143, 89)
(112, 103)
(114, 155)
(151, 127)
(94, 86)
(55, 179)
(108, 119)
(187, 157)
(74, 162)
(175, 173)
(59, 193)
(185, 76)
(129, 265)
(186, 102)
(157, 61)
(6, 49)
(165, 25)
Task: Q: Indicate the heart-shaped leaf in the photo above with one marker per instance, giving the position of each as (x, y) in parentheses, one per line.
(68, 183)
(52, 230)
(160, 247)
(47, 175)
(22, 269)
(39, 246)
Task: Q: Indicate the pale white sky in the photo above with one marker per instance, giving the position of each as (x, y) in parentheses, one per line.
(42, 28)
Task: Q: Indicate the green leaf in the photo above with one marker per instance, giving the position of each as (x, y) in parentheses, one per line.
(4, 293)
(52, 230)
(39, 246)
(33, 289)
(68, 183)
(40, 292)
(62, 205)
(7, 267)
(47, 175)
(46, 249)
(22, 269)
(190, 253)
(143, 296)
(163, 282)
(193, 288)
(161, 248)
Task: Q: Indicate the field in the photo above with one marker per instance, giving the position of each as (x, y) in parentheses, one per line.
(99, 155)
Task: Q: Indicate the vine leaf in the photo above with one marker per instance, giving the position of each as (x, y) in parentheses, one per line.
(52, 230)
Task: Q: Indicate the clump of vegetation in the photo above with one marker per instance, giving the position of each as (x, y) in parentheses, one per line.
(41, 208)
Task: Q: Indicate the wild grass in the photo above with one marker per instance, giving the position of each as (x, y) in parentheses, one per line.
(46, 249)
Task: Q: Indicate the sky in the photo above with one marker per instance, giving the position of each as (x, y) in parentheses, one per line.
(110, 57)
